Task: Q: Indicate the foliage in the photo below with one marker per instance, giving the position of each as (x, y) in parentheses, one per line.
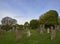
(8, 21)
(49, 18)
(6, 27)
(26, 25)
(34, 24)
(59, 20)
(19, 26)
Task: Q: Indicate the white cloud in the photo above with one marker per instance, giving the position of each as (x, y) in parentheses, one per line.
(5, 11)
(20, 19)
(8, 10)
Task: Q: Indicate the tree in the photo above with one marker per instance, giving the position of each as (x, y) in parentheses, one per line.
(6, 27)
(50, 18)
(7, 23)
(34, 24)
(59, 20)
(26, 25)
(21, 27)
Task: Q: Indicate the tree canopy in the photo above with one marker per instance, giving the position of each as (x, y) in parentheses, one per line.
(8, 21)
(6, 27)
(34, 24)
(26, 25)
(49, 18)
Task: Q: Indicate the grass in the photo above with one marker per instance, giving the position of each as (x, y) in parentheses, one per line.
(36, 38)
(8, 38)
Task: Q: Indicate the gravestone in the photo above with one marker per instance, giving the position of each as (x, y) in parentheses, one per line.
(58, 28)
(19, 34)
(16, 29)
(53, 33)
(13, 29)
(28, 33)
(41, 29)
(48, 30)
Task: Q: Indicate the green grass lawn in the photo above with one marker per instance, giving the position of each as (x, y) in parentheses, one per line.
(36, 38)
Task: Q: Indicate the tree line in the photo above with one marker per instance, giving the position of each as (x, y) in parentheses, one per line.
(48, 19)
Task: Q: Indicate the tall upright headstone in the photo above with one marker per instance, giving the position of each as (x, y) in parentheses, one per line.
(41, 29)
(16, 29)
(53, 33)
(13, 28)
(48, 30)
(28, 33)
(19, 34)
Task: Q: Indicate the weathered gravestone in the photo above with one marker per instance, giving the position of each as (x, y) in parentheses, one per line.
(13, 29)
(48, 30)
(53, 33)
(41, 29)
(58, 27)
(19, 33)
(28, 33)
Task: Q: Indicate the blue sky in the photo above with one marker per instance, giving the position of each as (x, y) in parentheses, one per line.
(25, 10)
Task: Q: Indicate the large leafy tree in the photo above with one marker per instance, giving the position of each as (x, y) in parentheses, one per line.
(49, 18)
(7, 23)
(34, 24)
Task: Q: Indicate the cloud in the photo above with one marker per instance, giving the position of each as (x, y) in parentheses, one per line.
(20, 19)
(7, 10)
(4, 14)
(25, 10)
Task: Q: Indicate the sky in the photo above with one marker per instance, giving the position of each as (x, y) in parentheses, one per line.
(26, 10)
